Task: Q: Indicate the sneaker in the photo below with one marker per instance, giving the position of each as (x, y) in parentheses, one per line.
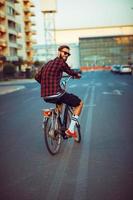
(71, 134)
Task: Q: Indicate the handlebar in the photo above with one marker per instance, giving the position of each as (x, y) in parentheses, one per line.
(64, 83)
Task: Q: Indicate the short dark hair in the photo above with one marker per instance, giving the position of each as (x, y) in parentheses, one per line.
(62, 47)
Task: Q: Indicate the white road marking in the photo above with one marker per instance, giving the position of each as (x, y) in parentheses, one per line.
(98, 84)
(89, 105)
(60, 171)
(114, 92)
(85, 85)
(117, 92)
(34, 89)
(124, 83)
(73, 86)
(29, 99)
(110, 84)
(107, 92)
(81, 183)
(54, 187)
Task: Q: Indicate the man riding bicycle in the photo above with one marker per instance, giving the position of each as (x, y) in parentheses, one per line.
(50, 76)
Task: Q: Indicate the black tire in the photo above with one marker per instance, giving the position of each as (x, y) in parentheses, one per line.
(77, 129)
(67, 116)
(67, 120)
(53, 144)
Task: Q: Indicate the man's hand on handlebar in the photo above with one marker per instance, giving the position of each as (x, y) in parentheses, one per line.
(78, 76)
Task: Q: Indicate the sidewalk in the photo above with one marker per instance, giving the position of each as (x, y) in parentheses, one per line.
(13, 85)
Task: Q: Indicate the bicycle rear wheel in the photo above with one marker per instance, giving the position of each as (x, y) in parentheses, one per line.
(67, 120)
(52, 137)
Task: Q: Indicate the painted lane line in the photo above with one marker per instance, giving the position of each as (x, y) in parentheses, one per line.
(89, 105)
(35, 89)
(107, 92)
(117, 92)
(57, 181)
(98, 84)
(29, 99)
(73, 86)
(124, 83)
(114, 92)
(85, 85)
(110, 84)
(82, 177)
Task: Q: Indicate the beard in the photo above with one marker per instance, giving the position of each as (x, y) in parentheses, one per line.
(60, 56)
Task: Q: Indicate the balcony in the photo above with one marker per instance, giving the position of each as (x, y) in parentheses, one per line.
(19, 35)
(33, 32)
(26, 9)
(13, 43)
(16, 1)
(2, 15)
(16, 12)
(32, 5)
(33, 23)
(26, 1)
(2, 2)
(2, 29)
(12, 30)
(20, 46)
(33, 41)
(11, 18)
(32, 14)
(28, 39)
(27, 29)
(12, 58)
(3, 43)
(29, 49)
(27, 19)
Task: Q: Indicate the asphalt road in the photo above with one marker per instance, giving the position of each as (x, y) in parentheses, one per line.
(99, 168)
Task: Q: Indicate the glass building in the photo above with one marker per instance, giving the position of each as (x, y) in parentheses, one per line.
(107, 50)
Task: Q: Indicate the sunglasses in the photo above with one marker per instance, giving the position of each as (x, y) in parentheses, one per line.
(66, 53)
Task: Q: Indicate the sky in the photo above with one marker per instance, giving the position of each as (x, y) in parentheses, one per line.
(87, 13)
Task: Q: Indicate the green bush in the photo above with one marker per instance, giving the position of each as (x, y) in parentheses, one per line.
(9, 70)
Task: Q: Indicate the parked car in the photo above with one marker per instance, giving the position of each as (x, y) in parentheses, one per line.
(115, 68)
(125, 69)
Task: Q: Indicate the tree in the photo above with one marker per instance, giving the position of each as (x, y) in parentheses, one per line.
(9, 70)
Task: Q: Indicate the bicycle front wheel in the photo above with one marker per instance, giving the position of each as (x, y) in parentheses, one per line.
(78, 133)
(52, 137)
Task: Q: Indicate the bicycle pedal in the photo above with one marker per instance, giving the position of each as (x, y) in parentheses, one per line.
(65, 137)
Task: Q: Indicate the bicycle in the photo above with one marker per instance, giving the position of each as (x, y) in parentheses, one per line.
(55, 122)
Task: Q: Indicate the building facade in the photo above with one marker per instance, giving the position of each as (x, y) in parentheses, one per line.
(100, 45)
(16, 29)
(109, 50)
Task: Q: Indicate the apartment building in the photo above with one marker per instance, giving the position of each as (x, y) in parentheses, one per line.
(3, 31)
(16, 33)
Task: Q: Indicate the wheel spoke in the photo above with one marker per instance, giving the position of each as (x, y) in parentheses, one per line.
(53, 143)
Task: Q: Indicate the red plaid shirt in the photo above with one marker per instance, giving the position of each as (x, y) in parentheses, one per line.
(50, 75)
